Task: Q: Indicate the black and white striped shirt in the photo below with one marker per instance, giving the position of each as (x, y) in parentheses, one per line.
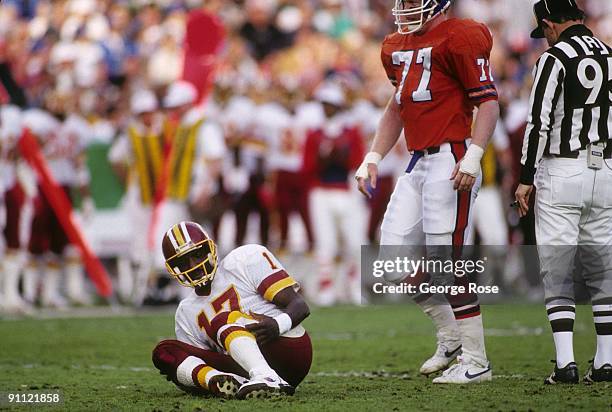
(570, 99)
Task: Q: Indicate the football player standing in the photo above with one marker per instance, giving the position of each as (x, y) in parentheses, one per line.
(331, 153)
(12, 200)
(440, 68)
(239, 333)
(129, 157)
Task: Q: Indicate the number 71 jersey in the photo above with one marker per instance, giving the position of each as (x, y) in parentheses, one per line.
(247, 280)
(440, 76)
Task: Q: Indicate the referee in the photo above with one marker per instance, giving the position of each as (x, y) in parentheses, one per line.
(567, 156)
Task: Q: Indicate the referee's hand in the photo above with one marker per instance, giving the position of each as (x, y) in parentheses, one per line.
(522, 195)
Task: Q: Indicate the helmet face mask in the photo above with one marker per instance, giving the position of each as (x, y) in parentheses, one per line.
(191, 256)
(412, 15)
(181, 266)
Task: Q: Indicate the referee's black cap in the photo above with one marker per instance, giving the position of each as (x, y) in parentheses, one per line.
(547, 9)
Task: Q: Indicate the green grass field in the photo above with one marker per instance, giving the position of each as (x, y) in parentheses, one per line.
(364, 359)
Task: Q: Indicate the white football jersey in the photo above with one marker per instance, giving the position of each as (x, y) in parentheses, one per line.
(61, 143)
(247, 280)
(240, 116)
(210, 140)
(63, 149)
(286, 142)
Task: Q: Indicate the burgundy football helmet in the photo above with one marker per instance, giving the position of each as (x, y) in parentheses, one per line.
(190, 254)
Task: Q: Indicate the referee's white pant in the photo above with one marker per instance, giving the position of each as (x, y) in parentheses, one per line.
(573, 207)
(573, 203)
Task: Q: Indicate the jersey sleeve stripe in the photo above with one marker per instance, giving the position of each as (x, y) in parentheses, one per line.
(483, 95)
(479, 89)
(273, 290)
(270, 280)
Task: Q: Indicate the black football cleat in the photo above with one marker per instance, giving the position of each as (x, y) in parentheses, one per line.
(603, 374)
(567, 374)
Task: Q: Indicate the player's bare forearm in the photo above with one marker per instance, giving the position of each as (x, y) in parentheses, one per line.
(293, 304)
(468, 169)
(389, 129)
(484, 125)
(295, 310)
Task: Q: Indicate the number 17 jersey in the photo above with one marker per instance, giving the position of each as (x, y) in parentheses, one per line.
(439, 77)
(247, 280)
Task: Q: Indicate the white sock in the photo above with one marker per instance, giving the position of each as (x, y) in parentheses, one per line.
(11, 268)
(30, 282)
(244, 350)
(604, 351)
(603, 326)
(443, 318)
(50, 287)
(561, 314)
(564, 346)
(472, 340)
(125, 278)
(75, 285)
(242, 347)
(141, 284)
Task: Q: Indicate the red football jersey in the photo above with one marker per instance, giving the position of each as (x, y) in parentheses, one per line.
(440, 76)
(329, 161)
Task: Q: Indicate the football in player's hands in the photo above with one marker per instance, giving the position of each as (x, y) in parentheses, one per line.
(265, 330)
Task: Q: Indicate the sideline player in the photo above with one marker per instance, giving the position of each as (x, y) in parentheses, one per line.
(131, 158)
(12, 200)
(440, 67)
(331, 153)
(239, 332)
(50, 250)
(196, 157)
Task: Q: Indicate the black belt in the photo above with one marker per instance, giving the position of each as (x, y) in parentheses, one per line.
(575, 154)
(430, 150)
(418, 154)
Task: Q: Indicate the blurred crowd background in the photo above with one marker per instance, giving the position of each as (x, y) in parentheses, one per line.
(88, 75)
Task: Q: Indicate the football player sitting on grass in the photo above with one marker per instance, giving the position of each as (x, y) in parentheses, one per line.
(238, 335)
